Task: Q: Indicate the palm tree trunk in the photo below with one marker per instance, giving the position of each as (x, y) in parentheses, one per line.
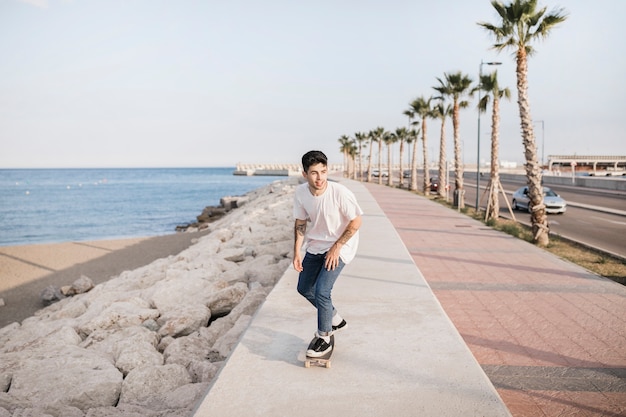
(380, 160)
(390, 177)
(458, 164)
(369, 164)
(494, 204)
(442, 160)
(414, 166)
(360, 161)
(401, 177)
(538, 218)
(425, 152)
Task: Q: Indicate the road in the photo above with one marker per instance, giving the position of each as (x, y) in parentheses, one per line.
(593, 227)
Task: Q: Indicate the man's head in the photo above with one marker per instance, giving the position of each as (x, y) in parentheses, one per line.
(313, 158)
(315, 170)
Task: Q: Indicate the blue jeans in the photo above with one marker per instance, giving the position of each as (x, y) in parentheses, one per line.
(315, 283)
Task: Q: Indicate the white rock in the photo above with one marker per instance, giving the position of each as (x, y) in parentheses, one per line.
(184, 320)
(143, 383)
(265, 269)
(54, 410)
(50, 294)
(82, 284)
(71, 376)
(184, 350)
(202, 371)
(127, 348)
(41, 335)
(225, 344)
(123, 410)
(223, 301)
(216, 330)
(181, 398)
(223, 234)
(7, 331)
(66, 308)
(170, 294)
(121, 314)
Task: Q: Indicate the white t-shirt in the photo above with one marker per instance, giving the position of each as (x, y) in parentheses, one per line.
(328, 216)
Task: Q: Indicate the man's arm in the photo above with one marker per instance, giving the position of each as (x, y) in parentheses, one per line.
(332, 257)
(299, 230)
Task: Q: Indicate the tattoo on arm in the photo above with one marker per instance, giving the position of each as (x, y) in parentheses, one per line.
(346, 235)
(350, 231)
(300, 229)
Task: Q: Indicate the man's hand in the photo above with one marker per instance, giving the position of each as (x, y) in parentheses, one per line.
(332, 257)
(297, 262)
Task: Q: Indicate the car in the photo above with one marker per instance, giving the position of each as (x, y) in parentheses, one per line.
(376, 173)
(434, 184)
(554, 203)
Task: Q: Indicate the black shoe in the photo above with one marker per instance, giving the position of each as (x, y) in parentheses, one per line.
(340, 325)
(318, 347)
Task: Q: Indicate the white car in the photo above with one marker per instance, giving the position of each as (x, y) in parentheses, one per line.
(376, 173)
(554, 203)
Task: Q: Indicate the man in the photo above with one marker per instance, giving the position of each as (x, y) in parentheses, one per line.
(327, 220)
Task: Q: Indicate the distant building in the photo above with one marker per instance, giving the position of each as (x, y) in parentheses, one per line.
(508, 164)
(591, 164)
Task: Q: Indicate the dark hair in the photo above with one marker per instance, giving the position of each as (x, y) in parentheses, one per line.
(313, 158)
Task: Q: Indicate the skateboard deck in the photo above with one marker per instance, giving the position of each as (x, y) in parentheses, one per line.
(322, 360)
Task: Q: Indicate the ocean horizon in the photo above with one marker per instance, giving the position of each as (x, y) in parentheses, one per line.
(51, 205)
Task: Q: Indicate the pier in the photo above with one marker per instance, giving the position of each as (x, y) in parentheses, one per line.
(279, 170)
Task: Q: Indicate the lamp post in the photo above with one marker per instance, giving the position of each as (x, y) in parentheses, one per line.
(480, 74)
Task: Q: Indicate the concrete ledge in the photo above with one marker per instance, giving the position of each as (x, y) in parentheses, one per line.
(399, 355)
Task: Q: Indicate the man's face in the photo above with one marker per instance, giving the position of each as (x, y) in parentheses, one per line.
(317, 176)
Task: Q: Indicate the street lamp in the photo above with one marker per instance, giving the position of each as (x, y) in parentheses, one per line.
(480, 74)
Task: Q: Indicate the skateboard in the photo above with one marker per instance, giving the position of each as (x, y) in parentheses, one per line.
(322, 360)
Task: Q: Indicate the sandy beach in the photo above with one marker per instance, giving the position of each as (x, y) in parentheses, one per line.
(27, 269)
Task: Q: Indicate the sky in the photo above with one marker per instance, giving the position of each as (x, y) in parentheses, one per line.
(155, 83)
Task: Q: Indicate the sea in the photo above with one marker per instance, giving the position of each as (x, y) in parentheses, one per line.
(62, 205)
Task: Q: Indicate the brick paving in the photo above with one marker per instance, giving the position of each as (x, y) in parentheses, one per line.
(551, 336)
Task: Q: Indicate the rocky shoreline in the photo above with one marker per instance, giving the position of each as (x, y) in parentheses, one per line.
(211, 214)
(148, 342)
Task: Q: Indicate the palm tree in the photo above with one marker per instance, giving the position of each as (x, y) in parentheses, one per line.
(401, 136)
(378, 134)
(413, 183)
(521, 24)
(389, 138)
(489, 84)
(345, 143)
(456, 86)
(372, 138)
(360, 139)
(412, 137)
(352, 152)
(442, 111)
(421, 107)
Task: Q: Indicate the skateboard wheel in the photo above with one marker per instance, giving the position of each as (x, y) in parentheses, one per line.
(327, 365)
(307, 364)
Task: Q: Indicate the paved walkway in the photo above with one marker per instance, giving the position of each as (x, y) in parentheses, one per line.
(399, 355)
(550, 335)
